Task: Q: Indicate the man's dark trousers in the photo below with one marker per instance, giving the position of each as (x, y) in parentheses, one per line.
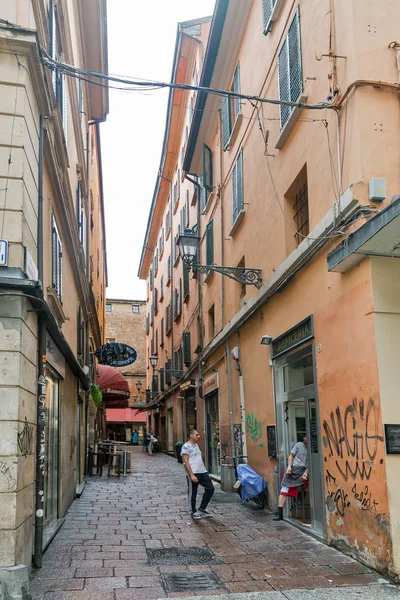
(205, 481)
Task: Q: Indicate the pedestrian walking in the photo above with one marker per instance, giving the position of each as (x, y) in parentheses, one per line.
(196, 475)
(135, 438)
(296, 475)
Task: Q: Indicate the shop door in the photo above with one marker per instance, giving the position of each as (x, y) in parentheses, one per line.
(297, 417)
(170, 430)
(212, 435)
(51, 444)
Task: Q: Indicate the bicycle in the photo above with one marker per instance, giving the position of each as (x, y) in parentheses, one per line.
(260, 499)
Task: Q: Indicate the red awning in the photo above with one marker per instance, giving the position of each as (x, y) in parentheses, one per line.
(113, 386)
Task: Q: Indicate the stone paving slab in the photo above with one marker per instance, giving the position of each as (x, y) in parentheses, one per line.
(102, 550)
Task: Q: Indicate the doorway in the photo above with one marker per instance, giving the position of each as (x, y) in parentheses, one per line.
(297, 418)
(170, 430)
(212, 435)
(51, 453)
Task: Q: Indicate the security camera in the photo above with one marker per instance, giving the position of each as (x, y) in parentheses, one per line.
(266, 340)
(235, 353)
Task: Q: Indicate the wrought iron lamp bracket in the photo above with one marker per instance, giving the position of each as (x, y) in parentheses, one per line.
(240, 274)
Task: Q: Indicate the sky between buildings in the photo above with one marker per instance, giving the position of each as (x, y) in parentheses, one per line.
(141, 41)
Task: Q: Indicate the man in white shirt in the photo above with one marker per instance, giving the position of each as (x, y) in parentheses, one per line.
(196, 474)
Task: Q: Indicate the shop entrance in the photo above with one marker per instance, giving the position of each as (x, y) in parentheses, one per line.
(170, 430)
(297, 417)
(51, 467)
(212, 434)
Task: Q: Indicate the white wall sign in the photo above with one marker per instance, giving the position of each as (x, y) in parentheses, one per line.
(3, 253)
(30, 266)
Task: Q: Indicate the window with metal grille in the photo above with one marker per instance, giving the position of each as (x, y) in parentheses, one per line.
(187, 359)
(267, 8)
(301, 213)
(237, 187)
(207, 176)
(210, 243)
(56, 260)
(290, 74)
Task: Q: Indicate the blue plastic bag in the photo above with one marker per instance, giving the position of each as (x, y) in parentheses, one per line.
(252, 484)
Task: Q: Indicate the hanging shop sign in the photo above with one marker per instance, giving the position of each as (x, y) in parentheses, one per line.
(188, 385)
(292, 338)
(115, 354)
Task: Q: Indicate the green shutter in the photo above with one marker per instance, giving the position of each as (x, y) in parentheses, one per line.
(236, 88)
(162, 385)
(154, 387)
(210, 243)
(186, 348)
(226, 121)
(186, 281)
(168, 366)
(207, 168)
(237, 187)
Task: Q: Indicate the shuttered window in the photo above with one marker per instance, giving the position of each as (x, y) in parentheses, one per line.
(207, 169)
(147, 324)
(237, 187)
(290, 69)
(180, 359)
(187, 210)
(182, 218)
(178, 300)
(162, 332)
(178, 184)
(81, 334)
(161, 287)
(204, 199)
(151, 279)
(156, 348)
(56, 260)
(210, 243)
(267, 8)
(187, 359)
(226, 121)
(186, 281)
(154, 386)
(236, 88)
(80, 213)
(168, 367)
(169, 269)
(162, 379)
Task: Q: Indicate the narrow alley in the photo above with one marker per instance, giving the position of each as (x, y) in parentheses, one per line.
(133, 539)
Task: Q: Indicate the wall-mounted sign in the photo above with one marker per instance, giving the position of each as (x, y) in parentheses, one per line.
(392, 437)
(3, 253)
(54, 356)
(292, 338)
(211, 384)
(116, 355)
(30, 267)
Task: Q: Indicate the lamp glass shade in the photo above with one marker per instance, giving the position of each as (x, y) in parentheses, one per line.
(153, 360)
(138, 385)
(188, 244)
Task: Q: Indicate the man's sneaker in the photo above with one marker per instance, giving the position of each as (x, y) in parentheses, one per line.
(196, 515)
(204, 513)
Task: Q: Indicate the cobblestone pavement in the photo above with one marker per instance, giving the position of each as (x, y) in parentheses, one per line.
(105, 549)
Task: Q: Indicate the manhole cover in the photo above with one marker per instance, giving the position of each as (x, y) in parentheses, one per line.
(180, 556)
(193, 582)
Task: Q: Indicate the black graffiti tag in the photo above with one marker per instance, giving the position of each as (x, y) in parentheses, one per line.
(338, 499)
(25, 438)
(354, 439)
(364, 498)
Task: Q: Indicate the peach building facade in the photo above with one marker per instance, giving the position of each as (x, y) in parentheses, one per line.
(306, 190)
(52, 302)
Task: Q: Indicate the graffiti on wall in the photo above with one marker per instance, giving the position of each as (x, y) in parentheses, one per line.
(254, 429)
(6, 472)
(352, 438)
(25, 439)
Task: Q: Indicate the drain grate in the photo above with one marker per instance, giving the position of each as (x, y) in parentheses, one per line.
(181, 556)
(192, 582)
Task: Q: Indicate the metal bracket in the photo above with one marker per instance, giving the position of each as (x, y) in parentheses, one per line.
(240, 274)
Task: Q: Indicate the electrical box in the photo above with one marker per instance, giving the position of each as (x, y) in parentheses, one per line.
(3, 253)
(377, 189)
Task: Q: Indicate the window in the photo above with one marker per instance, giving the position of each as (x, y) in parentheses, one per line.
(135, 308)
(155, 262)
(169, 270)
(211, 322)
(186, 348)
(210, 243)
(56, 260)
(186, 281)
(156, 348)
(186, 224)
(296, 211)
(161, 287)
(80, 214)
(151, 279)
(230, 109)
(108, 307)
(155, 300)
(168, 367)
(162, 332)
(167, 224)
(237, 187)
(178, 300)
(290, 69)
(182, 218)
(147, 324)
(168, 319)
(207, 177)
(80, 334)
(270, 10)
(162, 380)
(191, 110)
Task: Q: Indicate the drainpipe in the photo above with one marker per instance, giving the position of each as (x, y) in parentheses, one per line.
(222, 218)
(242, 401)
(41, 394)
(87, 357)
(228, 360)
